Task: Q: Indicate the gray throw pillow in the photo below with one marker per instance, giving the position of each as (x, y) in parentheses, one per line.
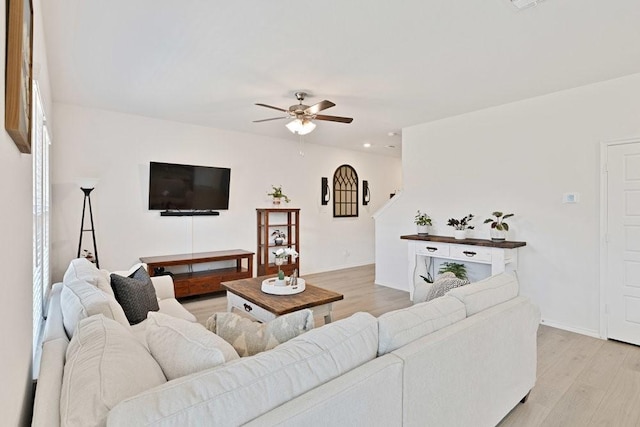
(135, 294)
(249, 337)
(443, 284)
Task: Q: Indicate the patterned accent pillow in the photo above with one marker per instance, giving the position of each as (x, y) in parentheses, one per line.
(443, 284)
(249, 337)
(136, 294)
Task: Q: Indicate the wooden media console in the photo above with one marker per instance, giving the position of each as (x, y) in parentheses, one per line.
(204, 281)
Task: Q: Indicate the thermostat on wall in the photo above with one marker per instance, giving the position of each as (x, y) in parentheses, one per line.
(570, 197)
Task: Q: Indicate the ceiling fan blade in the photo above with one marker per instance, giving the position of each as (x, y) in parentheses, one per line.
(334, 118)
(322, 105)
(267, 120)
(272, 107)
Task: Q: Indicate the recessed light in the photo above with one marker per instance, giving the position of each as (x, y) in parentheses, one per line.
(366, 145)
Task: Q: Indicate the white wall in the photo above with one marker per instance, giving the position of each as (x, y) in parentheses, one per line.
(520, 158)
(116, 148)
(16, 254)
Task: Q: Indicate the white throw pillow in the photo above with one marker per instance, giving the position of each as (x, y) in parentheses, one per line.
(82, 269)
(105, 365)
(79, 300)
(182, 347)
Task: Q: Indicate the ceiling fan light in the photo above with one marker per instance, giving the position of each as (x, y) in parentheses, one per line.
(301, 127)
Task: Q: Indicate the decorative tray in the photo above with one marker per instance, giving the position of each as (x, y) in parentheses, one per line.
(274, 286)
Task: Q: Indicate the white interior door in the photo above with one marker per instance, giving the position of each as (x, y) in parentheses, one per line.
(623, 247)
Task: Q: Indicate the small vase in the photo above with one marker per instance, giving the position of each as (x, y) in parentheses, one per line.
(279, 241)
(459, 234)
(276, 201)
(423, 230)
(498, 235)
(279, 261)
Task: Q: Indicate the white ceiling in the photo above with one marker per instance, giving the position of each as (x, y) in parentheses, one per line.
(388, 64)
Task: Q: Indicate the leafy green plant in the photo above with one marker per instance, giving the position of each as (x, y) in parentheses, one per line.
(422, 219)
(461, 224)
(460, 270)
(498, 222)
(278, 194)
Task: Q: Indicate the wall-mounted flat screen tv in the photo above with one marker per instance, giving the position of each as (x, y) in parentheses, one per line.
(187, 187)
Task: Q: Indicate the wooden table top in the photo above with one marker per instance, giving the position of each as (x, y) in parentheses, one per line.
(505, 244)
(250, 289)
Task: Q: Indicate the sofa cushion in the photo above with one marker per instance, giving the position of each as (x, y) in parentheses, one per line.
(400, 327)
(79, 300)
(105, 364)
(83, 269)
(249, 337)
(173, 308)
(136, 294)
(182, 348)
(237, 392)
(486, 293)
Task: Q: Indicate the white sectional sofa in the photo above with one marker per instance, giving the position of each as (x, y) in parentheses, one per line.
(465, 359)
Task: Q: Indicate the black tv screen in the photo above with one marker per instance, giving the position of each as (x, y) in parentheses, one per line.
(186, 187)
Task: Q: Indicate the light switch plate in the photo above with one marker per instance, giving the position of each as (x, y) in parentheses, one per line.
(570, 197)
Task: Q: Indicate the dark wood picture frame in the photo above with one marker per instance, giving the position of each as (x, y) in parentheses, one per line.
(18, 72)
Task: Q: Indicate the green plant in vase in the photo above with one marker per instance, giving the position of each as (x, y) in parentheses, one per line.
(460, 270)
(277, 195)
(460, 226)
(499, 228)
(423, 221)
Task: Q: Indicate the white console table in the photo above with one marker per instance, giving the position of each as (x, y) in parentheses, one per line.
(496, 254)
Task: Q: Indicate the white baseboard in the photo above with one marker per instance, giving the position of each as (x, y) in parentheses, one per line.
(581, 331)
(392, 286)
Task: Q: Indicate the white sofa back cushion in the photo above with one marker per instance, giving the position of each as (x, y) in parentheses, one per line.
(400, 327)
(82, 269)
(238, 392)
(105, 364)
(79, 300)
(181, 347)
(486, 293)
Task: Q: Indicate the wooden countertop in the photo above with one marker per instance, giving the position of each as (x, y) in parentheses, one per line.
(506, 244)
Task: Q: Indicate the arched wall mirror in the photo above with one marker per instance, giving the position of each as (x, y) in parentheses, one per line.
(345, 192)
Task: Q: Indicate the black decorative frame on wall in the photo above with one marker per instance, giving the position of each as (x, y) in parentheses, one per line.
(345, 192)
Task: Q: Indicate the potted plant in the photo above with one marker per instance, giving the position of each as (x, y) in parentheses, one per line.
(278, 237)
(461, 226)
(459, 270)
(423, 222)
(277, 195)
(499, 228)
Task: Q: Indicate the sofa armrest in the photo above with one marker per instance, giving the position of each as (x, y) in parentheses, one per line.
(164, 286)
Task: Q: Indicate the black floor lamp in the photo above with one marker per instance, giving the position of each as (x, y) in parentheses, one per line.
(87, 198)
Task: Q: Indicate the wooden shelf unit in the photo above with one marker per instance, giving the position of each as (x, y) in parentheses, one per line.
(205, 281)
(269, 220)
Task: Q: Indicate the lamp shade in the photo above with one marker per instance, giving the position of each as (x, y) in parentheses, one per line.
(301, 127)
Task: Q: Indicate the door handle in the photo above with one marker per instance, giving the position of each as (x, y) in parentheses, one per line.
(247, 308)
(469, 253)
(431, 249)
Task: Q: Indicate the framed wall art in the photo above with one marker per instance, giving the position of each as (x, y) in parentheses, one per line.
(18, 86)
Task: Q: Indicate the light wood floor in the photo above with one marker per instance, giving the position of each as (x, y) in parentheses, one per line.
(582, 381)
